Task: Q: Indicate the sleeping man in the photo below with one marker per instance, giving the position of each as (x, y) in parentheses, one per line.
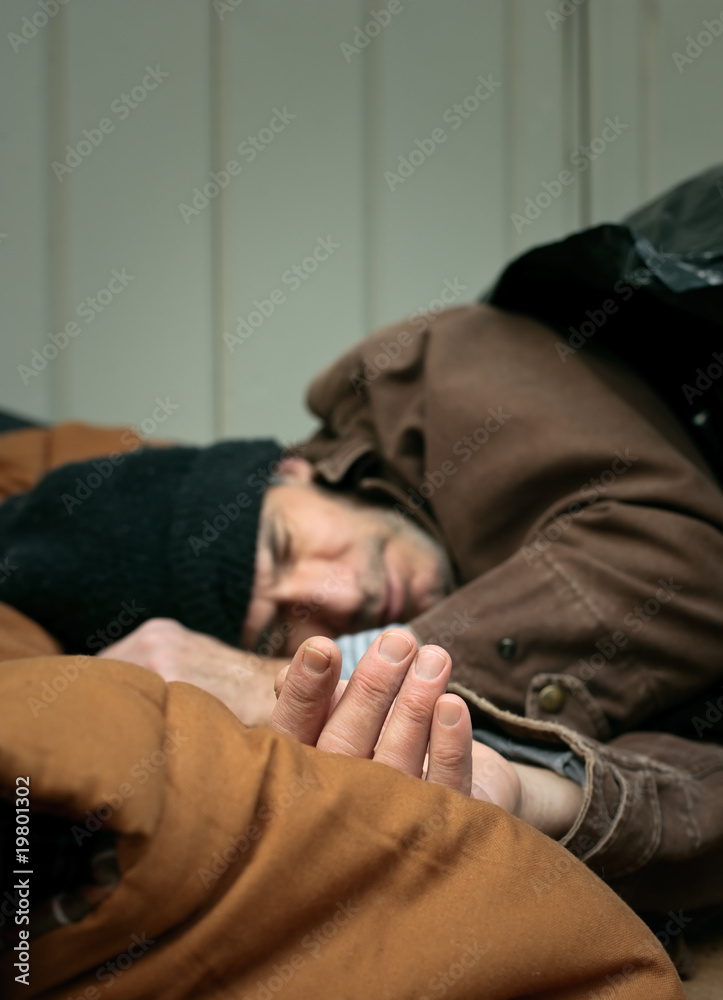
(547, 522)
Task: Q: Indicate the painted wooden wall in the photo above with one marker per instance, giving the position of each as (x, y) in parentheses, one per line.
(202, 202)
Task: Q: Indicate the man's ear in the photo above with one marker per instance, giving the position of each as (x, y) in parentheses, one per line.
(296, 470)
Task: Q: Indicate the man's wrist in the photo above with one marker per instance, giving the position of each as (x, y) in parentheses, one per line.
(548, 802)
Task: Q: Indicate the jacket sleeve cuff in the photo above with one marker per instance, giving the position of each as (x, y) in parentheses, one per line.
(618, 828)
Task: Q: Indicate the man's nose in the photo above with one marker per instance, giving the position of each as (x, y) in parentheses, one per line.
(332, 593)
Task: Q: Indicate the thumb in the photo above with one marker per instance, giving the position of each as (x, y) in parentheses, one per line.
(281, 679)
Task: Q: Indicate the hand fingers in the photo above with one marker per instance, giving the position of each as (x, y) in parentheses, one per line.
(305, 693)
(281, 679)
(335, 698)
(450, 745)
(354, 725)
(404, 742)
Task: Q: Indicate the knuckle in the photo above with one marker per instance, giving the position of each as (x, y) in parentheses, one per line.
(450, 757)
(401, 758)
(373, 691)
(413, 712)
(153, 641)
(299, 692)
(296, 719)
(161, 629)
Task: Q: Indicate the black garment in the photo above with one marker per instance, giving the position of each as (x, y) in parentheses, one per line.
(98, 547)
(9, 422)
(650, 290)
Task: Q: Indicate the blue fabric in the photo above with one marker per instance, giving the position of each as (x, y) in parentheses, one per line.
(353, 647)
(562, 761)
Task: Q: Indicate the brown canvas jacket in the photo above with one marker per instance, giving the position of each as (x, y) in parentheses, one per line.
(586, 530)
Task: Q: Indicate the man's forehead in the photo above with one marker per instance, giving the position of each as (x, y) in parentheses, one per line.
(290, 496)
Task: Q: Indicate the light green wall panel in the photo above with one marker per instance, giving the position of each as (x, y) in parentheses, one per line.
(285, 82)
(119, 209)
(351, 211)
(25, 320)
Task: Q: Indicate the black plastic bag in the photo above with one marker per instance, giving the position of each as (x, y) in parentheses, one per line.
(649, 289)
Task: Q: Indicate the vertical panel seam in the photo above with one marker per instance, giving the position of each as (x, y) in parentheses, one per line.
(510, 121)
(57, 266)
(370, 123)
(650, 27)
(219, 374)
(584, 70)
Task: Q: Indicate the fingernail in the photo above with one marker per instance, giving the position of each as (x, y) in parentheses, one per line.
(395, 647)
(315, 661)
(429, 664)
(449, 712)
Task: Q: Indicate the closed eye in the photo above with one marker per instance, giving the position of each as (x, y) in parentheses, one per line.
(280, 546)
(279, 542)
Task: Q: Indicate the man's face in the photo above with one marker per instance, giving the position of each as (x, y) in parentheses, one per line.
(330, 565)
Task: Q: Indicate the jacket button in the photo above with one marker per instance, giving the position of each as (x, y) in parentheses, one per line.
(507, 648)
(552, 698)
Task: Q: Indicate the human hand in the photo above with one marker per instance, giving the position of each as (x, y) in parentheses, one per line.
(241, 680)
(393, 709)
(391, 713)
